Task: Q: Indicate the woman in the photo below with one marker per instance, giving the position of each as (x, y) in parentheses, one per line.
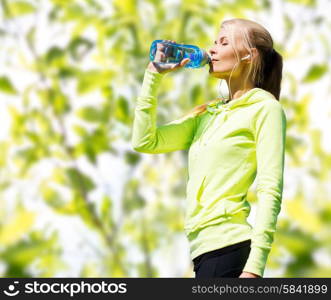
(230, 144)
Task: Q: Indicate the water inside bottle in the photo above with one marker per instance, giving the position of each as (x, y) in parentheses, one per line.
(172, 53)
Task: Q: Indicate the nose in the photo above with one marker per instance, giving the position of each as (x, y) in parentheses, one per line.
(211, 51)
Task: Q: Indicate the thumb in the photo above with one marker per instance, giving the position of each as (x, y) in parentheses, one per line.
(184, 62)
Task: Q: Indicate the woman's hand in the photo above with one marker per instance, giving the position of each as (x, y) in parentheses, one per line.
(158, 67)
(249, 275)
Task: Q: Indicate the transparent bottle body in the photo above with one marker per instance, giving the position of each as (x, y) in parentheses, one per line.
(175, 53)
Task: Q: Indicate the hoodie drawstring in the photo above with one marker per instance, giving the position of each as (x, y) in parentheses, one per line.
(222, 108)
(219, 108)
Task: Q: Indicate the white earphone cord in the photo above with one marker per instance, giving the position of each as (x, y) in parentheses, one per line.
(220, 90)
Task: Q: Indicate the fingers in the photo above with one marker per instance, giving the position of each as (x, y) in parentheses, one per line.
(180, 64)
(185, 61)
(159, 57)
(162, 56)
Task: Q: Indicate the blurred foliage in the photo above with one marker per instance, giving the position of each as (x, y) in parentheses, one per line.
(72, 71)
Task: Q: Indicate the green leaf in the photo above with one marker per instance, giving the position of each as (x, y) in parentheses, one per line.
(20, 8)
(52, 197)
(90, 114)
(80, 131)
(300, 213)
(27, 157)
(17, 227)
(132, 158)
(49, 264)
(131, 198)
(6, 86)
(61, 103)
(54, 55)
(315, 72)
(43, 123)
(4, 149)
(106, 210)
(78, 180)
(92, 80)
(79, 47)
(122, 109)
(23, 253)
(66, 72)
(59, 206)
(196, 95)
(99, 140)
(31, 37)
(90, 153)
(28, 154)
(304, 2)
(84, 209)
(91, 144)
(128, 7)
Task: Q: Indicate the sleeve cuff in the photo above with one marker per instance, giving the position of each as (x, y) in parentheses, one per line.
(151, 83)
(256, 261)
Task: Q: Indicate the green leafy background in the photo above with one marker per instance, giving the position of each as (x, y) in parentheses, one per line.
(76, 200)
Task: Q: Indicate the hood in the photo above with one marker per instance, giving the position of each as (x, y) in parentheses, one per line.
(250, 97)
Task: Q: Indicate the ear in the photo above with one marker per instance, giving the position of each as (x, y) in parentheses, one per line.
(253, 55)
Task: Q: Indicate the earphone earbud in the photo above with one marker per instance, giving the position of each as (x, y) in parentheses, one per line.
(246, 57)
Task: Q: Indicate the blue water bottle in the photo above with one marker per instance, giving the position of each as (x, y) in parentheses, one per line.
(167, 52)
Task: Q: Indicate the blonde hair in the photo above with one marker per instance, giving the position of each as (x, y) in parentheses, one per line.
(265, 71)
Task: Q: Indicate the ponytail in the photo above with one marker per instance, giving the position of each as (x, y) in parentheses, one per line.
(271, 75)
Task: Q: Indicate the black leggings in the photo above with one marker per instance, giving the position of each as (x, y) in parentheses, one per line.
(228, 261)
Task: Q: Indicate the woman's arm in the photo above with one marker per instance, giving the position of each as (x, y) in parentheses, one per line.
(270, 134)
(147, 137)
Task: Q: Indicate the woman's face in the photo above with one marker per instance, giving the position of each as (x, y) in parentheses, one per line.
(223, 57)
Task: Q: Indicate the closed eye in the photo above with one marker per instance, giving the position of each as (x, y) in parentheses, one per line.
(215, 43)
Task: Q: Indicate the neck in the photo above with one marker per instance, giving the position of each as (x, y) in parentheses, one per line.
(237, 89)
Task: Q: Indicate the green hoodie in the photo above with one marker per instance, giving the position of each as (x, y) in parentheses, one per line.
(228, 146)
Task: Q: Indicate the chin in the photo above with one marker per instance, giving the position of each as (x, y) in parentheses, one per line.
(216, 74)
(212, 70)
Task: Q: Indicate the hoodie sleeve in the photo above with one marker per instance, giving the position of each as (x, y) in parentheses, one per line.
(147, 137)
(270, 134)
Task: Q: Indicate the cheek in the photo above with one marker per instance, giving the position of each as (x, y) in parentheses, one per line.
(225, 63)
(228, 55)
(227, 59)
